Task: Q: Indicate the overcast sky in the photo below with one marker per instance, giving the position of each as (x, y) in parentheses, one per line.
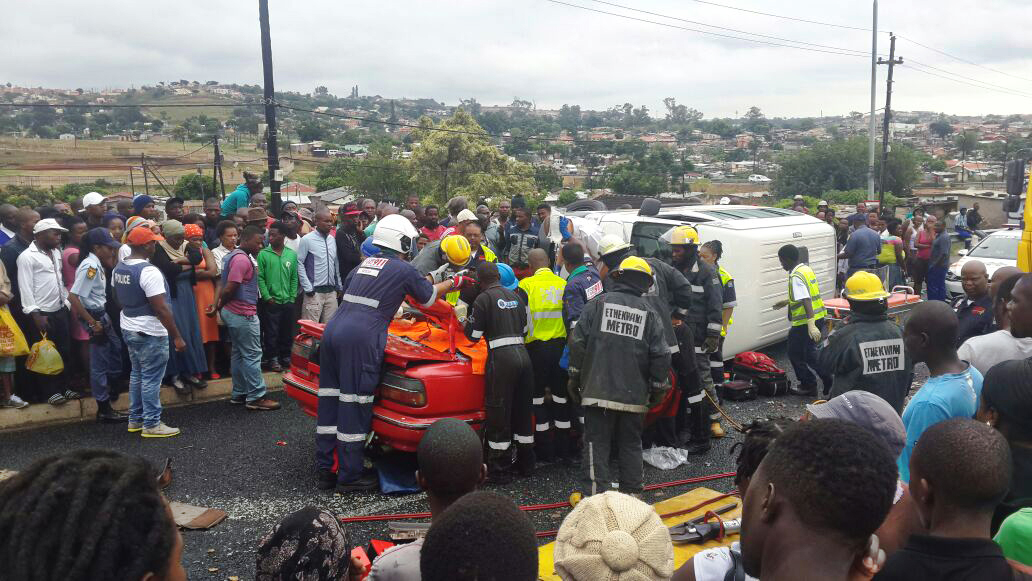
(536, 50)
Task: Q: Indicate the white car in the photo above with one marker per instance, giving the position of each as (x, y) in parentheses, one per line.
(996, 250)
(758, 178)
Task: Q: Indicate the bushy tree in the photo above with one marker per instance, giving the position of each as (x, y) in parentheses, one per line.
(842, 165)
(194, 187)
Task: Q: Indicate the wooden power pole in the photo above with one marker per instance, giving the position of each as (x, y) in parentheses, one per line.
(275, 179)
(886, 118)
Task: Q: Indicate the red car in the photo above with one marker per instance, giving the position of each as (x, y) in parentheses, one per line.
(419, 385)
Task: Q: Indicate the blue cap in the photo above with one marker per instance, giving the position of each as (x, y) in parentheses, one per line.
(368, 249)
(507, 277)
(99, 236)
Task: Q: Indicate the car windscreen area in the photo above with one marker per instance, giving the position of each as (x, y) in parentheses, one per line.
(646, 242)
(996, 247)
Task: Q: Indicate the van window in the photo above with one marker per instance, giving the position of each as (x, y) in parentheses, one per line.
(646, 242)
(744, 213)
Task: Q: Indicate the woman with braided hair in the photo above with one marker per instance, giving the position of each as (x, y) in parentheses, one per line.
(88, 515)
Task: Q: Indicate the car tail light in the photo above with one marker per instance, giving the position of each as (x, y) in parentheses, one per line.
(403, 390)
(305, 346)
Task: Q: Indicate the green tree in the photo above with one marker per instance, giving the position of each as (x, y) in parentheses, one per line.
(937, 165)
(311, 130)
(464, 162)
(570, 117)
(194, 187)
(567, 197)
(842, 165)
(940, 127)
(380, 175)
(966, 143)
(546, 178)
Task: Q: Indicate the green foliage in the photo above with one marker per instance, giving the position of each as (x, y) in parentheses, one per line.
(329, 183)
(546, 178)
(936, 165)
(379, 175)
(842, 165)
(35, 197)
(567, 197)
(194, 187)
(311, 130)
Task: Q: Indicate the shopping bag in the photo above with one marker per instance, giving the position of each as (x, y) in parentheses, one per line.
(44, 358)
(12, 340)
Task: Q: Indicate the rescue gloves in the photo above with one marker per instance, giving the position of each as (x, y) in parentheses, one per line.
(815, 333)
(711, 344)
(573, 388)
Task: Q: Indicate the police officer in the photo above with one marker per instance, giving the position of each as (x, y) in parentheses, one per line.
(582, 284)
(868, 352)
(443, 259)
(706, 321)
(670, 291)
(500, 317)
(806, 314)
(352, 350)
(542, 292)
(619, 368)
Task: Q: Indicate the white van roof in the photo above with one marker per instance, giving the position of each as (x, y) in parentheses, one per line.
(734, 217)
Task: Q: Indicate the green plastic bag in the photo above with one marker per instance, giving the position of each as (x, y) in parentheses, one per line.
(44, 358)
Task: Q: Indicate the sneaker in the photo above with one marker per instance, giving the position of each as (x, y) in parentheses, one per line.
(263, 404)
(71, 394)
(238, 399)
(181, 387)
(14, 402)
(160, 431)
(57, 399)
(135, 427)
(326, 480)
(194, 382)
(363, 483)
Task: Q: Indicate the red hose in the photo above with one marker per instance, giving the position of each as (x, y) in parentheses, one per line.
(536, 507)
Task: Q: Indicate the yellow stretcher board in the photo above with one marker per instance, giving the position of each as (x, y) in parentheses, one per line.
(546, 566)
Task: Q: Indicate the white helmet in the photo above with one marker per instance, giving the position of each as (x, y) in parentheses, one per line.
(611, 243)
(395, 232)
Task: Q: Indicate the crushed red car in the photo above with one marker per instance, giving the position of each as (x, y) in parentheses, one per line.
(428, 374)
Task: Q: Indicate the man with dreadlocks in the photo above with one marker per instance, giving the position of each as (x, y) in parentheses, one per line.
(88, 515)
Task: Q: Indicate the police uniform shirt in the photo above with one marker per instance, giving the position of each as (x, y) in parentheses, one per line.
(381, 284)
(89, 283)
(499, 315)
(974, 317)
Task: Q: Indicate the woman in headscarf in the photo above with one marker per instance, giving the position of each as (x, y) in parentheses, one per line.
(1006, 404)
(307, 545)
(177, 260)
(204, 294)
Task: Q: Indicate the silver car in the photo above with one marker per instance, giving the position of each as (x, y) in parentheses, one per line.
(996, 250)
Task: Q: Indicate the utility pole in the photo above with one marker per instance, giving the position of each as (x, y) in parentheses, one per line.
(215, 167)
(146, 183)
(132, 186)
(270, 108)
(874, 90)
(892, 62)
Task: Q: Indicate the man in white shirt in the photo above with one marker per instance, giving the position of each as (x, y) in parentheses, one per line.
(985, 351)
(44, 298)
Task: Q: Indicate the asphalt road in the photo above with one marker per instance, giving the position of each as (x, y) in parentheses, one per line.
(259, 466)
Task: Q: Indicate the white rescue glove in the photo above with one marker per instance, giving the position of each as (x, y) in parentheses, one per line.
(815, 333)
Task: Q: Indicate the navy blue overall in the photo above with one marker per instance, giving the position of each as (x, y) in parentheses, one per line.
(351, 356)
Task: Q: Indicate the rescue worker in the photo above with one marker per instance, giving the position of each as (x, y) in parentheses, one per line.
(670, 290)
(619, 369)
(710, 253)
(542, 292)
(500, 317)
(352, 350)
(582, 285)
(868, 352)
(443, 259)
(705, 318)
(806, 314)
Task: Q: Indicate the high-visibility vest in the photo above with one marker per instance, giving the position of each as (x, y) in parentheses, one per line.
(724, 278)
(545, 305)
(796, 311)
(489, 254)
(453, 296)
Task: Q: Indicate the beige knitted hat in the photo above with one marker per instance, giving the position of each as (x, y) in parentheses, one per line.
(613, 537)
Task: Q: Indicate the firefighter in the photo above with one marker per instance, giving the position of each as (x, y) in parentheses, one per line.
(443, 259)
(352, 351)
(542, 292)
(500, 317)
(806, 314)
(619, 368)
(868, 352)
(706, 321)
(670, 291)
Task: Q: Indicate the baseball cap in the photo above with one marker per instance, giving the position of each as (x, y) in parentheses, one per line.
(465, 215)
(92, 199)
(350, 209)
(99, 236)
(868, 411)
(175, 200)
(47, 224)
(140, 236)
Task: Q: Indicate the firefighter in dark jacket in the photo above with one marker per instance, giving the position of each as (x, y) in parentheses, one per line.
(868, 353)
(670, 291)
(500, 318)
(705, 317)
(619, 366)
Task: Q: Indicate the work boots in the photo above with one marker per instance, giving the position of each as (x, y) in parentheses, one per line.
(525, 459)
(107, 414)
(699, 430)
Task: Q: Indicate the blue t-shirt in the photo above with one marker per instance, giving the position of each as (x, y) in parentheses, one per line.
(944, 397)
(863, 248)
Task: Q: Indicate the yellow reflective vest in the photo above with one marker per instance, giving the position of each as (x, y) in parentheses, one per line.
(796, 311)
(545, 305)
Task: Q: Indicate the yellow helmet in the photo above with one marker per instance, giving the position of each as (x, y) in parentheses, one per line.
(637, 269)
(456, 249)
(865, 286)
(635, 263)
(684, 235)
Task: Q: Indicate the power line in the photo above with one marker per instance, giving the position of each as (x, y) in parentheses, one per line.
(847, 27)
(963, 60)
(920, 69)
(206, 144)
(711, 33)
(986, 83)
(724, 27)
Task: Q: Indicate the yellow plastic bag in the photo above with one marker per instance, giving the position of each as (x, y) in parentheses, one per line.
(44, 358)
(12, 340)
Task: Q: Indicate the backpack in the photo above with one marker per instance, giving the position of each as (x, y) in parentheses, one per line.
(758, 367)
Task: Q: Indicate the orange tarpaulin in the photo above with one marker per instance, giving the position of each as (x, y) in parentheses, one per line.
(437, 339)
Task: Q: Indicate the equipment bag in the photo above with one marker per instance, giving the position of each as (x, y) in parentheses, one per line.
(759, 368)
(738, 390)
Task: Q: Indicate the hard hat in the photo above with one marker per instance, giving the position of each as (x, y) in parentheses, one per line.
(865, 286)
(636, 272)
(680, 235)
(396, 233)
(635, 263)
(456, 248)
(725, 201)
(507, 277)
(611, 243)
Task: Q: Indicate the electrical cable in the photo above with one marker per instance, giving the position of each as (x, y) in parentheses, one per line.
(965, 61)
(711, 33)
(845, 26)
(988, 84)
(921, 70)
